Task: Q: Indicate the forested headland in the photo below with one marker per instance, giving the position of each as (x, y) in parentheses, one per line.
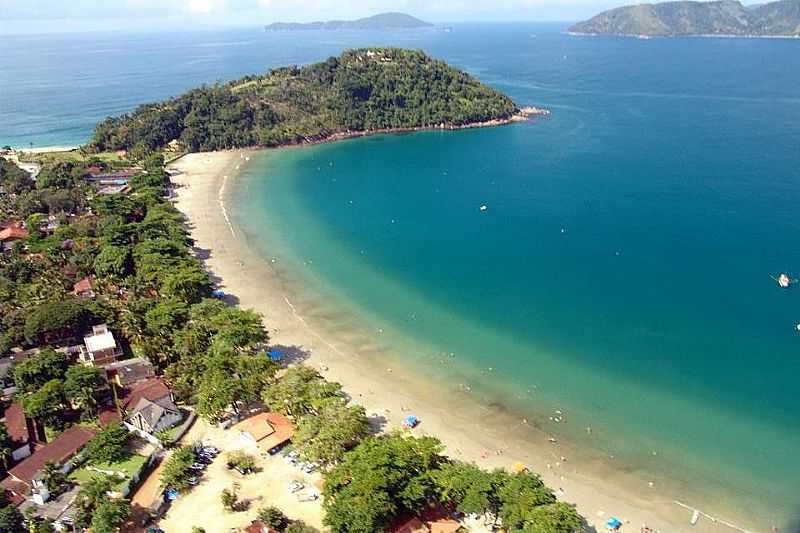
(359, 91)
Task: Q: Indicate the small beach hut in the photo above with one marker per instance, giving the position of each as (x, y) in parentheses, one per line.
(613, 524)
(410, 422)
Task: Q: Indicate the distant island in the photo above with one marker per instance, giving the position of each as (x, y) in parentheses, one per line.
(360, 92)
(727, 18)
(381, 22)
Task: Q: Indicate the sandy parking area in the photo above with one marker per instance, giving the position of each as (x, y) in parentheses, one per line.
(202, 506)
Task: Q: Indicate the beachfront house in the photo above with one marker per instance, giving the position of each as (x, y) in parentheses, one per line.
(25, 479)
(149, 407)
(269, 431)
(100, 348)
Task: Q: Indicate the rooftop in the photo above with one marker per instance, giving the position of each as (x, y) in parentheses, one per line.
(152, 389)
(66, 445)
(15, 423)
(269, 430)
(13, 233)
(100, 339)
(83, 285)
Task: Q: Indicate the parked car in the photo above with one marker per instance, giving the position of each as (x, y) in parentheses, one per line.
(295, 486)
(308, 468)
(192, 481)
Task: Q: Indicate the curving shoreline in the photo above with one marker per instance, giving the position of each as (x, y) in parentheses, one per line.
(354, 358)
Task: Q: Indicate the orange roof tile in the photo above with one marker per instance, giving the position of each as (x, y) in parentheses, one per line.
(15, 423)
(269, 430)
(13, 234)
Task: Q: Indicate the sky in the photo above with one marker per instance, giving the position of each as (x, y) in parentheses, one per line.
(44, 16)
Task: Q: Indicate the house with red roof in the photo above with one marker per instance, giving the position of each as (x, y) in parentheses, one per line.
(20, 431)
(149, 407)
(84, 288)
(270, 431)
(10, 235)
(26, 478)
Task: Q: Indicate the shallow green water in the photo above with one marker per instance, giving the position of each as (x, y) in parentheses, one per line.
(621, 270)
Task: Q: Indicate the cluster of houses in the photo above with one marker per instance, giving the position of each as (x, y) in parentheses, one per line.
(135, 398)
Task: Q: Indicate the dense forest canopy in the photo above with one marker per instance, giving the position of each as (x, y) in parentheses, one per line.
(365, 89)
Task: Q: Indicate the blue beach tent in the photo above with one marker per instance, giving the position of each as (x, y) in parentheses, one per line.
(411, 421)
(613, 524)
(275, 355)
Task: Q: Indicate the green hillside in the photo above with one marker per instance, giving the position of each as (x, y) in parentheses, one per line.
(366, 89)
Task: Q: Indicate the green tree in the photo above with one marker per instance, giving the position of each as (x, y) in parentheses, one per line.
(177, 472)
(46, 403)
(300, 391)
(110, 515)
(197, 529)
(188, 283)
(11, 520)
(470, 489)
(379, 479)
(61, 318)
(326, 437)
(6, 448)
(91, 495)
(520, 494)
(82, 384)
(109, 446)
(55, 480)
(229, 500)
(557, 517)
(32, 373)
(230, 380)
(274, 518)
(114, 262)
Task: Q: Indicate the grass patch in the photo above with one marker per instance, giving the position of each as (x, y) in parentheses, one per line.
(72, 156)
(130, 466)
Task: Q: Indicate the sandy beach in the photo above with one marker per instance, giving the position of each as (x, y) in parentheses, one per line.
(490, 437)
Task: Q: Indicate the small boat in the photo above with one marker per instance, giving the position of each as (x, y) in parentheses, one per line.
(695, 517)
(484, 207)
(784, 281)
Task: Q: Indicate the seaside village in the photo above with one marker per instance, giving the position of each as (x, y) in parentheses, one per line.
(135, 398)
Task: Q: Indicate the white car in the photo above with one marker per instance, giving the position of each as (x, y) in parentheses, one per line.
(295, 486)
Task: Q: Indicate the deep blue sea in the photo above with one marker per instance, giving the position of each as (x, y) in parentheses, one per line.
(621, 270)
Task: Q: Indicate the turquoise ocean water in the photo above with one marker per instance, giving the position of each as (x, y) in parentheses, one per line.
(621, 271)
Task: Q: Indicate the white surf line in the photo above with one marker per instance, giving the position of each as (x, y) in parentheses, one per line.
(220, 196)
(309, 328)
(712, 518)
